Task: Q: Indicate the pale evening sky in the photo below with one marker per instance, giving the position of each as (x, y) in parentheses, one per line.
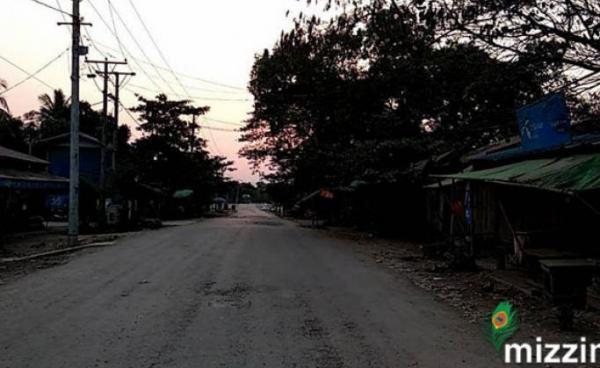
(212, 40)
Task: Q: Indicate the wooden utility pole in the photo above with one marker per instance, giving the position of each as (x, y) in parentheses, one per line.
(195, 112)
(117, 104)
(105, 76)
(194, 127)
(77, 50)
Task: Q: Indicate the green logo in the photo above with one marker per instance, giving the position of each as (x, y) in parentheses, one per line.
(503, 325)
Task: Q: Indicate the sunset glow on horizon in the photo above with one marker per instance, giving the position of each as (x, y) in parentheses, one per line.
(210, 47)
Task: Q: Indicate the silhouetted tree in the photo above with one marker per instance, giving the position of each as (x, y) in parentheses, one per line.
(3, 104)
(170, 155)
(366, 94)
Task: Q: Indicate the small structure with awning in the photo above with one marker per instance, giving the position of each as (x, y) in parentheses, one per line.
(21, 171)
(537, 204)
(571, 174)
(25, 189)
(538, 194)
(551, 207)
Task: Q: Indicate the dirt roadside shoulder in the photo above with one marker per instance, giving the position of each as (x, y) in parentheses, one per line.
(27, 253)
(474, 295)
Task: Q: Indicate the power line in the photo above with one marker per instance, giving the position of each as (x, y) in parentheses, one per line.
(188, 76)
(128, 111)
(124, 51)
(206, 98)
(134, 119)
(34, 74)
(223, 121)
(52, 7)
(160, 53)
(63, 15)
(114, 27)
(31, 75)
(113, 11)
(221, 92)
(166, 63)
(219, 129)
(130, 114)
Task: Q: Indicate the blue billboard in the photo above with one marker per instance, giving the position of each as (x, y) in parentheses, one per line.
(545, 123)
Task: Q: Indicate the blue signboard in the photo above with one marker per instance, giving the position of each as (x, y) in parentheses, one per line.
(545, 124)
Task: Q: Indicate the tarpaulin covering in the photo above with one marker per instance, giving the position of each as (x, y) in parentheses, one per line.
(576, 173)
(181, 194)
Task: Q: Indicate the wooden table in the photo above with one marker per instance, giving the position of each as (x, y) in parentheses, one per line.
(566, 280)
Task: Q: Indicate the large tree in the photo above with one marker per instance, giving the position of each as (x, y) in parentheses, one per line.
(54, 115)
(557, 32)
(170, 154)
(12, 134)
(566, 31)
(372, 91)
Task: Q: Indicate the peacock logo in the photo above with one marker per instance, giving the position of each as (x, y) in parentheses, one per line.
(503, 325)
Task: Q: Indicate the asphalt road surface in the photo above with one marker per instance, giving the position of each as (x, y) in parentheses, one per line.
(246, 291)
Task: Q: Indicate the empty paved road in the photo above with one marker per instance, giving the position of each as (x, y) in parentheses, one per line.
(247, 291)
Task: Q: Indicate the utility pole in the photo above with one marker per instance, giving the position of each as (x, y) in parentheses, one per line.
(117, 104)
(194, 127)
(195, 112)
(77, 50)
(105, 76)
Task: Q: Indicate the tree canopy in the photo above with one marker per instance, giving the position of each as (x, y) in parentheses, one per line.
(170, 155)
(371, 91)
(3, 104)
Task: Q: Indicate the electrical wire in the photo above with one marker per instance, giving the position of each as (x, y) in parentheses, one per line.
(160, 53)
(34, 74)
(164, 60)
(120, 102)
(52, 7)
(126, 54)
(30, 75)
(129, 113)
(187, 76)
(206, 98)
(113, 11)
(224, 121)
(218, 129)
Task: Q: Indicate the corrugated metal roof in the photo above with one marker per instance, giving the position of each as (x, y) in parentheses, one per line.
(31, 176)
(17, 179)
(575, 173)
(16, 155)
(82, 136)
(514, 150)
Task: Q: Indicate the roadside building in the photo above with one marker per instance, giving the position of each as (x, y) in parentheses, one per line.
(26, 188)
(140, 205)
(531, 198)
(56, 151)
